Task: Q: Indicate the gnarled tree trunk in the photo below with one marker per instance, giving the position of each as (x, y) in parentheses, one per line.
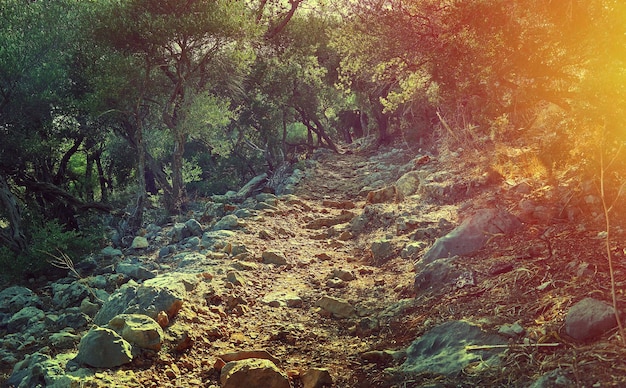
(12, 235)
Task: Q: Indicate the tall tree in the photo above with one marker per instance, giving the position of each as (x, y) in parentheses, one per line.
(197, 46)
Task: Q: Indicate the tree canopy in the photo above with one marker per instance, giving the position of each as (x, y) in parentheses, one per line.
(106, 102)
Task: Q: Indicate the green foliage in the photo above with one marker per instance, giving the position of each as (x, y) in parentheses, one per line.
(207, 119)
(50, 238)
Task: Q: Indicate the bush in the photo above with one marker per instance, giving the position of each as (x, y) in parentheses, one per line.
(47, 239)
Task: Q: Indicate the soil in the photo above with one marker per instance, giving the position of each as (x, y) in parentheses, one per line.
(532, 278)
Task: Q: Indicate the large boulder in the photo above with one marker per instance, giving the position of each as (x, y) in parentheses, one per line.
(103, 348)
(472, 234)
(162, 293)
(589, 318)
(253, 372)
(139, 330)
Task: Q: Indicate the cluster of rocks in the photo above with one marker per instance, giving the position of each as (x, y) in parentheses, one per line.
(123, 306)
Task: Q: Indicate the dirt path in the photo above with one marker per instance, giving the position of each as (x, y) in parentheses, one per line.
(223, 317)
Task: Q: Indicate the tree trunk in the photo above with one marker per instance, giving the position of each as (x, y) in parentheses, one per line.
(104, 190)
(12, 236)
(136, 218)
(178, 185)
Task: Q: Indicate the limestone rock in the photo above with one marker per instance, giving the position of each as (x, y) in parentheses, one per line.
(227, 222)
(25, 317)
(69, 294)
(253, 372)
(111, 252)
(381, 250)
(103, 348)
(134, 270)
(434, 276)
(472, 234)
(274, 257)
(15, 298)
(139, 242)
(64, 340)
(408, 184)
(317, 378)
(194, 227)
(589, 318)
(139, 330)
(336, 306)
(514, 330)
(282, 299)
(163, 293)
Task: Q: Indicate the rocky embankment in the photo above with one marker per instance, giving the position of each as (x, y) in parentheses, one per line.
(343, 279)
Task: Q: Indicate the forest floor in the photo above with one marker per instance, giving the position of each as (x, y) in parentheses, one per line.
(531, 278)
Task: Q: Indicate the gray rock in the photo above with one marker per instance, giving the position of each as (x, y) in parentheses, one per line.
(194, 227)
(472, 234)
(282, 299)
(69, 295)
(212, 239)
(408, 184)
(382, 249)
(139, 242)
(514, 330)
(178, 233)
(103, 348)
(163, 293)
(589, 319)
(76, 320)
(274, 257)
(227, 222)
(343, 274)
(252, 185)
(139, 330)
(252, 372)
(134, 270)
(235, 278)
(317, 378)
(412, 249)
(111, 252)
(167, 250)
(25, 317)
(434, 276)
(64, 340)
(15, 298)
(336, 306)
(442, 349)
(243, 213)
(23, 374)
(553, 379)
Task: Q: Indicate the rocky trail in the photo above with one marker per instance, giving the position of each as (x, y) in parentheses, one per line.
(372, 269)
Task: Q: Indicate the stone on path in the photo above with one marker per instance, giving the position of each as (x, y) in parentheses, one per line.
(336, 306)
(253, 372)
(274, 257)
(317, 378)
(139, 330)
(139, 242)
(472, 234)
(589, 318)
(103, 348)
(162, 293)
